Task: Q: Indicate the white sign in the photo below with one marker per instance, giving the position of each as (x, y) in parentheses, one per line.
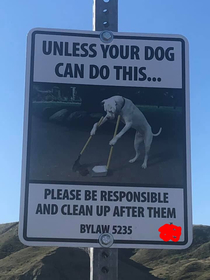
(143, 202)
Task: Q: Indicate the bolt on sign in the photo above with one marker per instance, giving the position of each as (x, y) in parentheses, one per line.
(106, 140)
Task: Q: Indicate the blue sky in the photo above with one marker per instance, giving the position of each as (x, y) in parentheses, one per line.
(189, 18)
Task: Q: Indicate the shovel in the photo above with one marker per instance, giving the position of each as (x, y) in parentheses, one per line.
(77, 166)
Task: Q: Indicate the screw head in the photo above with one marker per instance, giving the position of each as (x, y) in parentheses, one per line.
(106, 240)
(106, 36)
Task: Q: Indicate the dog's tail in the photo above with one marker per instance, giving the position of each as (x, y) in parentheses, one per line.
(156, 134)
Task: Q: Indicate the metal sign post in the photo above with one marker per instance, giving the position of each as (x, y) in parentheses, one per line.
(105, 15)
(104, 262)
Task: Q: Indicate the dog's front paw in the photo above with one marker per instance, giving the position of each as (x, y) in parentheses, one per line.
(113, 142)
(93, 131)
(144, 165)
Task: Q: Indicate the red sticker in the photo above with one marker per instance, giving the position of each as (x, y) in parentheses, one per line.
(170, 232)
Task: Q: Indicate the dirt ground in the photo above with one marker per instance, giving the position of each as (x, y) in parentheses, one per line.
(55, 147)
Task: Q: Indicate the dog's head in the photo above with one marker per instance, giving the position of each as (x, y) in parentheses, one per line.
(110, 107)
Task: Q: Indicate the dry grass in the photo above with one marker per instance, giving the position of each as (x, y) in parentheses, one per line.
(19, 262)
(192, 263)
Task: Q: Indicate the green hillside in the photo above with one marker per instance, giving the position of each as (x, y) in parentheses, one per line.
(18, 262)
(192, 263)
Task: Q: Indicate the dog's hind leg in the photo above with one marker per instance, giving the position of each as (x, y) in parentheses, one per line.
(137, 141)
(147, 143)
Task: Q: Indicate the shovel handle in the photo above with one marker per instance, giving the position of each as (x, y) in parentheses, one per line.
(86, 145)
(99, 123)
(111, 149)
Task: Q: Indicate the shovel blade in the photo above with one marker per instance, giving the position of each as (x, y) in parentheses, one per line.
(99, 171)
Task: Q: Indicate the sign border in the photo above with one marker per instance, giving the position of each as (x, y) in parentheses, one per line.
(27, 137)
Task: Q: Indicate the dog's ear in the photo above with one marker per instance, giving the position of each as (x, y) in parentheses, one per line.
(102, 102)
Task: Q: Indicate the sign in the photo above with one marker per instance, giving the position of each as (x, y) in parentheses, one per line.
(76, 87)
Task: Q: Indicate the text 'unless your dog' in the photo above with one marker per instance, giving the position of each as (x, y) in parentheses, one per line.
(132, 52)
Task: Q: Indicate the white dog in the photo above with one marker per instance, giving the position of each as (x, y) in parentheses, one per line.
(132, 117)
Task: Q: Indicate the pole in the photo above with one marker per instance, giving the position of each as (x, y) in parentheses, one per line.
(104, 262)
(105, 15)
